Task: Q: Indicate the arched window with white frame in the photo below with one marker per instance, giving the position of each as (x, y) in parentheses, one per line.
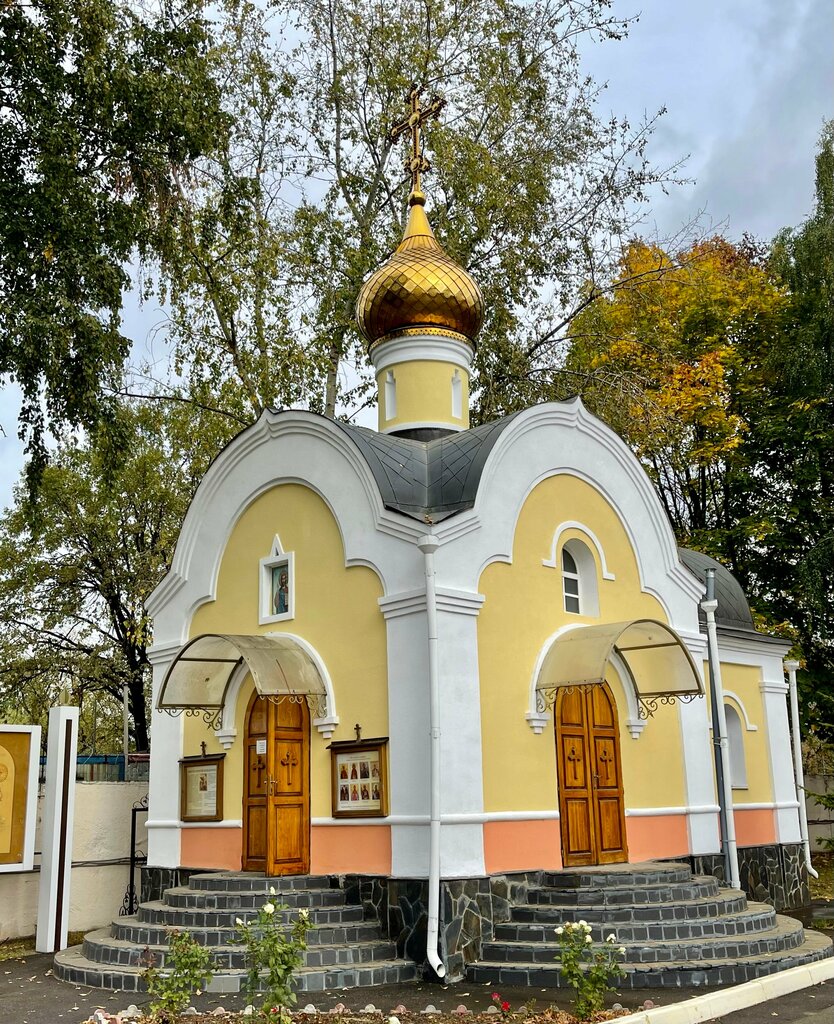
(735, 737)
(579, 579)
(570, 582)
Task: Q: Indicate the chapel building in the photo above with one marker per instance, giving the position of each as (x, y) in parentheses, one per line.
(437, 654)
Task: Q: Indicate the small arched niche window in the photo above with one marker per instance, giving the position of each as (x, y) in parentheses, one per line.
(735, 737)
(579, 579)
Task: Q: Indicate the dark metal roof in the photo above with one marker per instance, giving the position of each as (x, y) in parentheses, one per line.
(427, 480)
(733, 611)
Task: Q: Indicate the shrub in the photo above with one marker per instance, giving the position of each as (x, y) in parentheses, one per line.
(589, 969)
(188, 969)
(272, 955)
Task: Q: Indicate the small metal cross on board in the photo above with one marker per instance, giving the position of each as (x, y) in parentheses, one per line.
(417, 163)
(358, 730)
(203, 748)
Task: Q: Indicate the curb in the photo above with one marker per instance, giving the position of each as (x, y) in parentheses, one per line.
(723, 1001)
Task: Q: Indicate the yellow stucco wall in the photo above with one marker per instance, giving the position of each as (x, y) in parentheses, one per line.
(744, 680)
(424, 394)
(523, 609)
(334, 605)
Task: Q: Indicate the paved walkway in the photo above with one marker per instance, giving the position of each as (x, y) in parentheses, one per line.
(29, 994)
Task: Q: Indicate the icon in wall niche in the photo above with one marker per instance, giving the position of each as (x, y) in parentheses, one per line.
(277, 586)
(360, 778)
(280, 590)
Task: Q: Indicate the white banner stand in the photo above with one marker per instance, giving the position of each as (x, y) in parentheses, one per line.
(56, 830)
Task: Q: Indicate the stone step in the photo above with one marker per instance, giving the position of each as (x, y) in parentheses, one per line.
(130, 929)
(212, 899)
(102, 948)
(73, 966)
(625, 895)
(674, 974)
(787, 934)
(250, 881)
(755, 918)
(650, 873)
(158, 913)
(728, 901)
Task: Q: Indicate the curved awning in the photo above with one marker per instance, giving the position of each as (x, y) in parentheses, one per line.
(199, 676)
(659, 666)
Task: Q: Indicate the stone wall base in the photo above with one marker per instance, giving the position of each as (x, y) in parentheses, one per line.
(768, 874)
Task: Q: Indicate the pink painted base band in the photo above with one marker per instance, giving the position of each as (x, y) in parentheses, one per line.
(522, 846)
(211, 848)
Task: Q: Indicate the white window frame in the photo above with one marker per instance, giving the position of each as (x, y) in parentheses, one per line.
(573, 577)
(275, 560)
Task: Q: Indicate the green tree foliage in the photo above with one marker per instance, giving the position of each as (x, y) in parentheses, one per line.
(277, 233)
(791, 446)
(73, 586)
(672, 359)
(719, 371)
(102, 107)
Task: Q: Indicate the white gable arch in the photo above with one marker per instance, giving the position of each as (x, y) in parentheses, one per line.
(564, 438)
(287, 447)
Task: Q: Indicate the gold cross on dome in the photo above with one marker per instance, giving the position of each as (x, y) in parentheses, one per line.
(417, 163)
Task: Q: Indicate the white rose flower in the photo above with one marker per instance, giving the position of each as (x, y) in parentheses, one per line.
(621, 950)
(583, 924)
(272, 890)
(611, 938)
(239, 922)
(588, 939)
(559, 931)
(269, 908)
(304, 913)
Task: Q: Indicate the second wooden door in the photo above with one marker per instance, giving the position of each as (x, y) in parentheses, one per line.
(591, 806)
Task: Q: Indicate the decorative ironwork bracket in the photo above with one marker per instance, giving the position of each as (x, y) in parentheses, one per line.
(211, 716)
(648, 705)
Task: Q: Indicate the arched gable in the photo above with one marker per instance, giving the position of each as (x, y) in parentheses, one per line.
(282, 447)
(564, 438)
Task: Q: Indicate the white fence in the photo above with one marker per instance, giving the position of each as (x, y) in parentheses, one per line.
(100, 855)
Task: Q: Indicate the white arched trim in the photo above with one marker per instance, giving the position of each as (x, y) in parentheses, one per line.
(592, 537)
(634, 723)
(291, 447)
(734, 697)
(564, 438)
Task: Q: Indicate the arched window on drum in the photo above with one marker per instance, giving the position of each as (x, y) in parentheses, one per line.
(579, 579)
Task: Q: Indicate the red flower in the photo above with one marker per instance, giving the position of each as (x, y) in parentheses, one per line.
(495, 997)
(505, 1006)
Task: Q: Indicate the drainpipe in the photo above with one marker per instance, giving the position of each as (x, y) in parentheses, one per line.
(428, 544)
(799, 771)
(719, 738)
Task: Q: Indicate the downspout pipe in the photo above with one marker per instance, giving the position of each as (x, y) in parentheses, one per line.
(799, 771)
(719, 738)
(428, 544)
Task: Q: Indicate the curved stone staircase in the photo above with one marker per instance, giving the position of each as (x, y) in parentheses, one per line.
(344, 947)
(677, 929)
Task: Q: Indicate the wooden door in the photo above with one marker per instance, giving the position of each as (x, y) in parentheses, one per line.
(591, 805)
(276, 802)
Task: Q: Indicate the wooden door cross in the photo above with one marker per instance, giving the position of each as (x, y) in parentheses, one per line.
(289, 761)
(574, 759)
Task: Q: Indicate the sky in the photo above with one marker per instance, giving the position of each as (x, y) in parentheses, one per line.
(746, 85)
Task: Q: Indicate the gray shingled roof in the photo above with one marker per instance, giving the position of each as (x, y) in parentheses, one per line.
(733, 610)
(427, 480)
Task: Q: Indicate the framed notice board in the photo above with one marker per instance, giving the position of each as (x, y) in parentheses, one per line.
(201, 788)
(360, 778)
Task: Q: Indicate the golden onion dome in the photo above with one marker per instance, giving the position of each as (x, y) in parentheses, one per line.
(419, 289)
